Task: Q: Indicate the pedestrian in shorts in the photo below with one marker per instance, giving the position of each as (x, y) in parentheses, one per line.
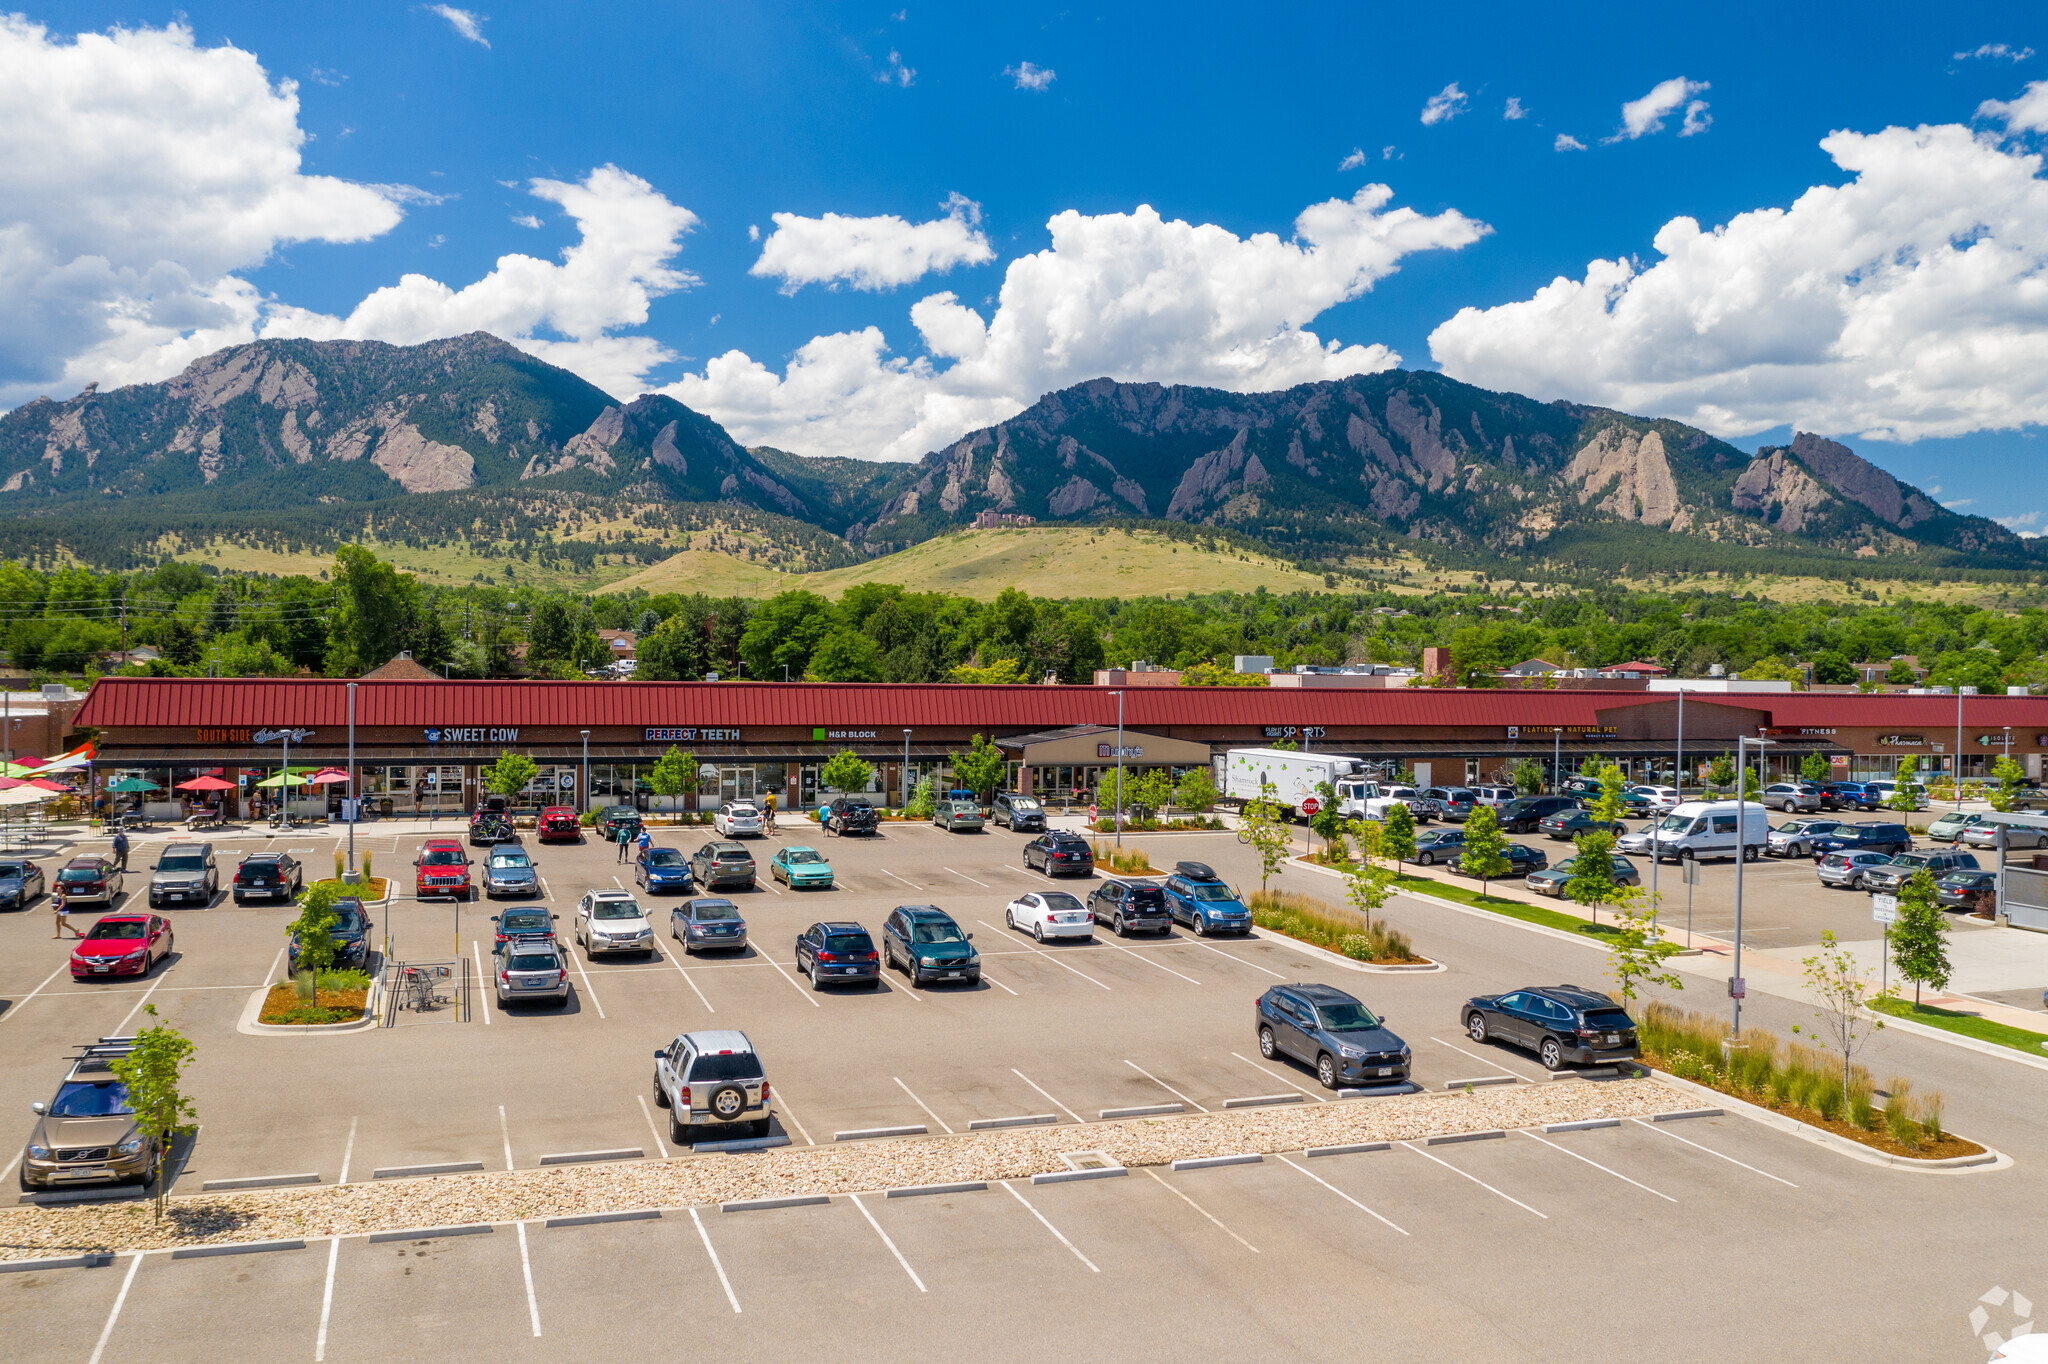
(60, 905)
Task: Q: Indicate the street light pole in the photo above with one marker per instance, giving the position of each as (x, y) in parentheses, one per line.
(354, 798)
(1742, 742)
(1958, 774)
(1119, 769)
(585, 793)
(1678, 761)
(903, 780)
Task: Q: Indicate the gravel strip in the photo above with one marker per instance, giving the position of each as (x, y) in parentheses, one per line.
(1013, 1153)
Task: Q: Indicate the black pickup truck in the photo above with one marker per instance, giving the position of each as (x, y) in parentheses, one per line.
(850, 815)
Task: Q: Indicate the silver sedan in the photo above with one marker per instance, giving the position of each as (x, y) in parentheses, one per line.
(708, 923)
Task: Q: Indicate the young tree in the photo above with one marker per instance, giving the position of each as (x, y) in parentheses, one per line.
(846, 772)
(151, 1074)
(1592, 881)
(1839, 990)
(1326, 822)
(510, 774)
(2010, 777)
(922, 800)
(1815, 767)
(1721, 773)
(1919, 937)
(1153, 790)
(1529, 777)
(1485, 847)
(1637, 952)
(674, 775)
(1397, 834)
(1196, 792)
(1369, 880)
(1903, 796)
(314, 928)
(981, 768)
(1266, 828)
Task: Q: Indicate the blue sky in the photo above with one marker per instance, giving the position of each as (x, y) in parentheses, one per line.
(1217, 115)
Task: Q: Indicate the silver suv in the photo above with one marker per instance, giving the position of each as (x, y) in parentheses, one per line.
(1790, 796)
(531, 969)
(1847, 869)
(713, 1086)
(184, 874)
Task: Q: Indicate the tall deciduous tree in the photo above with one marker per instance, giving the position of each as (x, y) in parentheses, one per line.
(981, 768)
(1485, 852)
(510, 774)
(675, 774)
(1919, 936)
(373, 612)
(1196, 791)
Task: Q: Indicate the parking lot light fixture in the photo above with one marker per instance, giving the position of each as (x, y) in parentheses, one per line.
(1742, 742)
(903, 780)
(586, 768)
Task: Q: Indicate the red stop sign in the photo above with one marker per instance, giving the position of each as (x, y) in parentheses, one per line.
(1310, 805)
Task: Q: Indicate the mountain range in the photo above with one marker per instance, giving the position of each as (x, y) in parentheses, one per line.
(1323, 471)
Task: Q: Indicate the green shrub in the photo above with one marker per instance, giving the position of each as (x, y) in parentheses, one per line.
(343, 980)
(1309, 920)
(1863, 1110)
(303, 986)
(1826, 1097)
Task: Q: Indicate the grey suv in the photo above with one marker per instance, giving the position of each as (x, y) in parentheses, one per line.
(1321, 1026)
(1890, 876)
(713, 1086)
(184, 874)
(1791, 795)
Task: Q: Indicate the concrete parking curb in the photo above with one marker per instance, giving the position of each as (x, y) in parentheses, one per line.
(432, 1233)
(869, 1133)
(95, 1261)
(1455, 1137)
(257, 1182)
(1688, 1113)
(594, 1157)
(1958, 1040)
(1069, 1176)
(240, 1248)
(1984, 1163)
(594, 1218)
(743, 1144)
(254, 1008)
(920, 1190)
(1587, 1125)
(453, 1167)
(762, 1204)
(1381, 1091)
(1034, 1120)
(1142, 1111)
(1480, 1081)
(1261, 1100)
(1209, 1162)
(1355, 1148)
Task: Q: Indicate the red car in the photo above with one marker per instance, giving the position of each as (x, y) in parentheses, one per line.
(558, 823)
(442, 869)
(121, 945)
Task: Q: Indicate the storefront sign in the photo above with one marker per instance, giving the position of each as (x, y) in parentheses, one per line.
(1524, 731)
(1796, 731)
(224, 736)
(1295, 731)
(472, 734)
(1112, 751)
(821, 734)
(271, 736)
(692, 736)
(1902, 740)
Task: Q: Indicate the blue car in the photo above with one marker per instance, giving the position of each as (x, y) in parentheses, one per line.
(660, 869)
(1885, 838)
(1197, 897)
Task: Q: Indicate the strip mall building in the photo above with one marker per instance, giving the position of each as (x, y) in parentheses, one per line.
(421, 744)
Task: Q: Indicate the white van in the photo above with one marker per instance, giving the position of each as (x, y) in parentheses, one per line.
(1701, 828)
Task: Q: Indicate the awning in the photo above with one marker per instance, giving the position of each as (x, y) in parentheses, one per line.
(438, 755)
(1578, 746)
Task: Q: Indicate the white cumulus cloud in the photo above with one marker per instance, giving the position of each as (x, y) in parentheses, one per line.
(2027, 114)
(1642, 117)
(1129, 295)
(871, 253)
(1444, 105)
(1514, 109)
(138, 173)
(1030, 77)
(1353, 161)
(1567, 143)
(466, 23)
(2011, 54)
(1910, 301)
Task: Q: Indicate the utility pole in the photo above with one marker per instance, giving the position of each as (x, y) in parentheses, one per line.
(354, 796)
(1119, 769)
(1742, 741)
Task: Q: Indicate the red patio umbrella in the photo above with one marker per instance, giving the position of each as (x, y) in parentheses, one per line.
(9, 783)
(206, 784)
(43, 785)
(327, 776)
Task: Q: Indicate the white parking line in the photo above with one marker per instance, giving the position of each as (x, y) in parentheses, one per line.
(1281, 1078)
(708, 1250)
(107, 1332)
(33, 993)
(887, 1242)
(595, 1003)
(348, 1152)
(922, 1104)
(1475, 1179)
(1712, 1152)
(1050, 1227)
(275, 962)
(1047, 1097)
(1048, 956)
(506, 1132)
(545, 892)
(912, 884)
(782, 1107)
(526, 1270)
(965, 877)
(1489, 1060)
(998, 984)
(1340, 1193)
(326, 1301)
(1165, 1086)
(1202, 1210)
(121, 1028)
(1595, 1164)
(810, 995)
(482, 995)
(648, 1113)
(1239, 960)
(1149, 962)
(677, 962)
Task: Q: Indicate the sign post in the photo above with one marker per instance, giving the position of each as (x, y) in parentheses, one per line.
(1309, 805)
(1885, 910)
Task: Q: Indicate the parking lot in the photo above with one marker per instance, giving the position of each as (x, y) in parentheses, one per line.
(1507, 1246)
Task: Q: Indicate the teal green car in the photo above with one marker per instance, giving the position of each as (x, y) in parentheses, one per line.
(801, 868)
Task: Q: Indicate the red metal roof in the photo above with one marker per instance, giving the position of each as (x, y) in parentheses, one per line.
(133, 702)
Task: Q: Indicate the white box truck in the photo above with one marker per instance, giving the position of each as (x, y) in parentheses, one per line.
(1295, 777)
(1701, 828)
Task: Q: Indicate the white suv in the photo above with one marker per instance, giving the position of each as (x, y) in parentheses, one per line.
(612, 921)
(737, 817)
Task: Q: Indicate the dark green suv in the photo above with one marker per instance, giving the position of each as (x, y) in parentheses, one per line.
(925, 942)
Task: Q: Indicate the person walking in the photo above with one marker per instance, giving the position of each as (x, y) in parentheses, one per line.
(768, 813)
(644, 841)
(60, 905)
(624, 834)
(121, 848)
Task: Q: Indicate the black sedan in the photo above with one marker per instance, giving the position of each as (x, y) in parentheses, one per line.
(1060, 854)
(1569, 824)
(1972, 890)
(1324, 1028)
(1522, 859)
(1562, 1024)
(350, 936)
(21, 882)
